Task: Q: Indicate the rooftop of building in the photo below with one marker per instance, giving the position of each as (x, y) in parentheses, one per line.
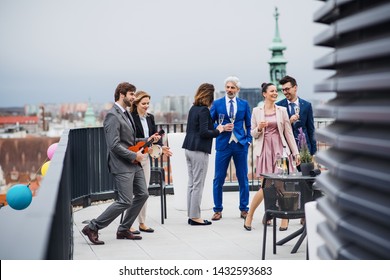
(225, 239)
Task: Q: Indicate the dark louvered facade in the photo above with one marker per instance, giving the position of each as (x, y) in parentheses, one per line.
(357, 186)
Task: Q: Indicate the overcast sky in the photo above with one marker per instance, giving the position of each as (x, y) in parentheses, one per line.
(79, 50)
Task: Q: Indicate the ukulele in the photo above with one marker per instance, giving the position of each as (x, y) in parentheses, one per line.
(144, 145)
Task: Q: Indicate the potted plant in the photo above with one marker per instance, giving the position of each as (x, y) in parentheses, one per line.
(306, 158)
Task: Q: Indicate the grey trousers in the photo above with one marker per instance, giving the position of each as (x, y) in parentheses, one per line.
(132, 193)
(146, 167)
(197, 163)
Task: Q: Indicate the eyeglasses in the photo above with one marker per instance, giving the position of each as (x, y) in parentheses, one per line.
(286, 89)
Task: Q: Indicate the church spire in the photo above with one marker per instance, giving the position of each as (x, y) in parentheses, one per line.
(277, 62)
(89, 118)
(277, 36)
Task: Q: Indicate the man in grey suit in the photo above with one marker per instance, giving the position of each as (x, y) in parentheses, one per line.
(125, 167)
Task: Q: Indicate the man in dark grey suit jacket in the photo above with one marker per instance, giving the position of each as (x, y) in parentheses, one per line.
(125, 167)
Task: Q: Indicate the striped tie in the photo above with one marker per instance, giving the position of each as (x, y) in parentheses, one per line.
(231, 113)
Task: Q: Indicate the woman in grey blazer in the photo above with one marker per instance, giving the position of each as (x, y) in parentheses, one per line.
(197, 144)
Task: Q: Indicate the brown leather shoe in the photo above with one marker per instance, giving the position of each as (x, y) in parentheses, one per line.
(217, 216)
(126, 234)
(244, 214)
(92, 235)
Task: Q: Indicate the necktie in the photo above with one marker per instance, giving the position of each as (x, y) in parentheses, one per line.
(292, 111)
(130, 119)
(231, 112)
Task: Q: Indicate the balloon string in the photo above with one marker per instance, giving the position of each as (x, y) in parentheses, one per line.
(36, 173)
(29, 183)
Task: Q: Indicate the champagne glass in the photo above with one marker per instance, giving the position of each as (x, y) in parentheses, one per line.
(297, 112)
(294, 165)
(232, 119)
(221, 118)
(279, 165)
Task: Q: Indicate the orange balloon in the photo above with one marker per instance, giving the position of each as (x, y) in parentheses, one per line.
(45, 167)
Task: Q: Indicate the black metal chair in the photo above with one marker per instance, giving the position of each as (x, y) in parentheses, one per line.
(157, 181)
(285, 201)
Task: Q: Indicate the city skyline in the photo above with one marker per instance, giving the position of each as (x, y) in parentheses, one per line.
(71, 52)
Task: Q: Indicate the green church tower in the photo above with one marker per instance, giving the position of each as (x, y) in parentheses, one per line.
(89, 118)
(277, 63)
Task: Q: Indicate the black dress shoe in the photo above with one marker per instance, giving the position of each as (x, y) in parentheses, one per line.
(268, 222)
(205, 223)
(92, 235)
(126, 234)
(243, 214)
(284, 228)
(248, 228)
(217, 216)
(147, 230)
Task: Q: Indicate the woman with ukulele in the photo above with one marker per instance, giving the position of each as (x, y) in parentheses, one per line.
(145, 127)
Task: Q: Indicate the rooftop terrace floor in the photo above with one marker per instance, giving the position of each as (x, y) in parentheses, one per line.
(225, 239)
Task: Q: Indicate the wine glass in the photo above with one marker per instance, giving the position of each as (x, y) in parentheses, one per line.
(221, 118)
(294, 165)
(279, 165)
(297, 113)
(232, 119)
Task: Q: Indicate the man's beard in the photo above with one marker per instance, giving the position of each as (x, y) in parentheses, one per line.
(231, 95)
(127, 102)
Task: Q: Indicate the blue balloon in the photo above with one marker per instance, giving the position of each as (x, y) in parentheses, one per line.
(19, 197)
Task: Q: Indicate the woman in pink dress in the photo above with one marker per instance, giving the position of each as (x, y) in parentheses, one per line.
(271, 129)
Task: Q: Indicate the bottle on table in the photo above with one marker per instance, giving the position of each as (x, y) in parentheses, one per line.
(285, 162)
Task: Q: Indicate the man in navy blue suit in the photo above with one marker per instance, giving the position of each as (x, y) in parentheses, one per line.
(302, 118)
(233, 143)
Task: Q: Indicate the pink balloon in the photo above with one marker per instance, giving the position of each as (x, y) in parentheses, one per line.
(51, 150)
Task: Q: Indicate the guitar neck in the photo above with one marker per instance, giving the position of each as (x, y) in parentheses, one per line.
(149, 143)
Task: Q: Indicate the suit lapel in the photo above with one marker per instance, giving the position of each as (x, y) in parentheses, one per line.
(152, 129)
(224, 106)
(120, 113)
(302, 106)
(238, 105)
(138, 125)
(279, 119)
(132, 122)
(262, 114)
(286, 104)
(126, 119)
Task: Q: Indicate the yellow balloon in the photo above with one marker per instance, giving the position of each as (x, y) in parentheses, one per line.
(45, 167)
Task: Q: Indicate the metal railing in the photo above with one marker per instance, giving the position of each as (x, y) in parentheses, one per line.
(44, 230)
(78, 175)
(91, 180)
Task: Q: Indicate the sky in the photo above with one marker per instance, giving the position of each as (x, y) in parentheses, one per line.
(69, 51)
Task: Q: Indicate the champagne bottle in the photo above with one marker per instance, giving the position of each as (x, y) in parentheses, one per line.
(285, 162)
